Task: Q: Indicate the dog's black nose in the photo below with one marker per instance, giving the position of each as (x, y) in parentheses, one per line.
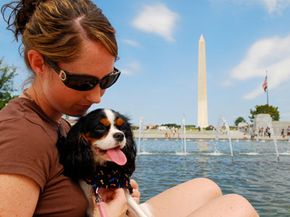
(118, 136)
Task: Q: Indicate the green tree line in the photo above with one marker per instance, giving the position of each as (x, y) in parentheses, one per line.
(7, 73)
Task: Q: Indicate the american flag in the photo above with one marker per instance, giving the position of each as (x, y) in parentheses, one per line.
(265, 84)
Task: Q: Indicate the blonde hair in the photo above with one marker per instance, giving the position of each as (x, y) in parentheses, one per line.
(56, 28)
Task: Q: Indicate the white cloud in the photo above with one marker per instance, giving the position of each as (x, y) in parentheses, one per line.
(131, 43)
(275, 6)
(157, 19)
(271, 6)
(253, 94)
(271, 54)
(131, 68)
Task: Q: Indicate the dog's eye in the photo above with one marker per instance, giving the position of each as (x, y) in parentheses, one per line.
(100, 128)
(123, 128)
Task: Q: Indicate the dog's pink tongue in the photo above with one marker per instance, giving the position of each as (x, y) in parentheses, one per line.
(117, 156)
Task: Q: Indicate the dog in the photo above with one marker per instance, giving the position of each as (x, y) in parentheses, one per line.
(99, 152)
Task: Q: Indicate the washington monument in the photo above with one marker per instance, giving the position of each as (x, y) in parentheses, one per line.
(202, 117)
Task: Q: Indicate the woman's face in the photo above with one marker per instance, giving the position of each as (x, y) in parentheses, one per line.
(94, 60)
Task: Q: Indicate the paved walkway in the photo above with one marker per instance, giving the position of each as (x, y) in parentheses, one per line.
(160, 134)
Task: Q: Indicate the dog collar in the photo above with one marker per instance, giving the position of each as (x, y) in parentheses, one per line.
(110, 178)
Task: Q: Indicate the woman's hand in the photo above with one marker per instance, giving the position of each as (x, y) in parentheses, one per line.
(136, 193)
(114, 203)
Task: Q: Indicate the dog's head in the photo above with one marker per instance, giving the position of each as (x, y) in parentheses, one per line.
(102, 138)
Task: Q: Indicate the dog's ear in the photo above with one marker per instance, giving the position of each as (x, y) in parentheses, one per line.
(76, 154)
(130, 149)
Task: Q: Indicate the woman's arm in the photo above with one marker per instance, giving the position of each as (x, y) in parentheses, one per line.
(18, 195)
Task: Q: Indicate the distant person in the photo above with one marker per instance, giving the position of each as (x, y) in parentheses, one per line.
(283, 133)
(261, 131)
(71, 49)
(268, 132)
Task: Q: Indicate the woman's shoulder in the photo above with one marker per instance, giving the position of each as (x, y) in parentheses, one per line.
(11, 110)
(24, 114)
(18, 109)
(22, 129)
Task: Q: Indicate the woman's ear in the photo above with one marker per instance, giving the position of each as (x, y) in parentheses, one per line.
(36, 61)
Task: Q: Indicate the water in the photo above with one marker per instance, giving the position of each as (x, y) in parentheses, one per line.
(253, 172)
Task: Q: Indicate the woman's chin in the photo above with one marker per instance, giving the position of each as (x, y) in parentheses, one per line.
(77, 113)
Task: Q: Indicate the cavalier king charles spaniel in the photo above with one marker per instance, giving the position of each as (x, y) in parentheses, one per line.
(99, 152)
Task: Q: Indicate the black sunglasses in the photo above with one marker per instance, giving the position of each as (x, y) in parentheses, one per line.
(83, 82)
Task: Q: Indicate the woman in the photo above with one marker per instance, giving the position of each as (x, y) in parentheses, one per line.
(70, 48)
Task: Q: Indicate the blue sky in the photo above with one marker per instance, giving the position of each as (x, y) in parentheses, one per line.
(158, 50)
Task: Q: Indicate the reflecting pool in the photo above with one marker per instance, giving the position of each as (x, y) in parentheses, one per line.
(254, 171)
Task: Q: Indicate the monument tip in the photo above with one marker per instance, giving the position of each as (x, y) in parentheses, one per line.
(201, 37)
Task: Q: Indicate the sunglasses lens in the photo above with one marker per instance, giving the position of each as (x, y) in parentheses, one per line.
(109, 80)
(81, 83)
(85, 82)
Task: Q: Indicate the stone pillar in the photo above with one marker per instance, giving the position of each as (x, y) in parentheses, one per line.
(202, 116)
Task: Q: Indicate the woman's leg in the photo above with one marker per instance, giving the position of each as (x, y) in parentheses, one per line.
(183, 199)
(231, 205)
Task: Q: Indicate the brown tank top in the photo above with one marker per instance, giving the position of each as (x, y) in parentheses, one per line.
(28, 147)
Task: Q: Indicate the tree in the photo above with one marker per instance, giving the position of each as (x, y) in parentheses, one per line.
(7, 74)
(171, 125)
(265, 109)
(239, 120)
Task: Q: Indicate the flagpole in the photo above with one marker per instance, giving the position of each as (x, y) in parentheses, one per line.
(267, 90)
(267, 96)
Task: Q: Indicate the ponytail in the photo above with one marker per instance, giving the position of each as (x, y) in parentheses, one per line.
(21, 12)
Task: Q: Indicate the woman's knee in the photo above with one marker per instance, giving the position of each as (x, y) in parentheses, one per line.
(207, 184)
(227, 206)
(242, 204)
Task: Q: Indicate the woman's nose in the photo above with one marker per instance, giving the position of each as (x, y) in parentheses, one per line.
(95, 95)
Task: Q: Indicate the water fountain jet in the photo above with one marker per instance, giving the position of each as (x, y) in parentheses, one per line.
(264, 121)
